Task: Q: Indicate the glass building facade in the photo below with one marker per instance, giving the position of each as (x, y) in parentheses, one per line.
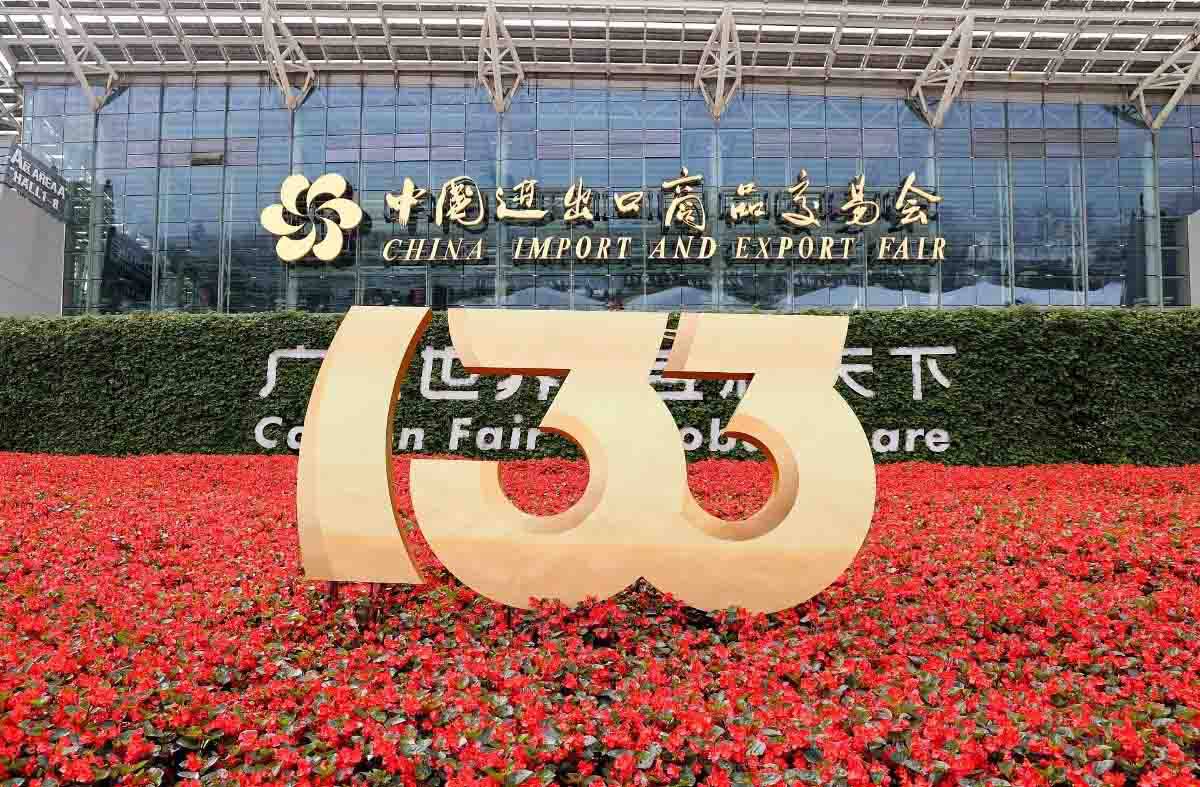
(1043, 203)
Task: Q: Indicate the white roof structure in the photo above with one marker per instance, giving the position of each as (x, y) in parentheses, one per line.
(932, 47)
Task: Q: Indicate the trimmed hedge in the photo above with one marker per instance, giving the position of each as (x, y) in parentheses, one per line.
(1027, 386)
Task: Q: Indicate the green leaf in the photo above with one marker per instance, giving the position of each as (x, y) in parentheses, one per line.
(646, 758)
(1120, 395)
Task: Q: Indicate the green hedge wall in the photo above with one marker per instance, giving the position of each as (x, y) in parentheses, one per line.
(1025, 387)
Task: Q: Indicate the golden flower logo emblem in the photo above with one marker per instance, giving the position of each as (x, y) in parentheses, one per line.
(336, 213)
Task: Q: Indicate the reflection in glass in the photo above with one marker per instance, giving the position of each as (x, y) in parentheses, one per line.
(1044, 203)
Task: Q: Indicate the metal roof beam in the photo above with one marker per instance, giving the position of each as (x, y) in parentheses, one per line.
(245, 23)
(1115, 45)
(284, 56)
(75, 51)
(719, 72)
(177, 30)
(1068, 43)
(707, 11)
(815, 14)
(500, 70)
(577, 44)
(116, 36)
(1171, 75)
(950, 74)
(652, 70)
(9, 119)
(387, 35)
(952, 9)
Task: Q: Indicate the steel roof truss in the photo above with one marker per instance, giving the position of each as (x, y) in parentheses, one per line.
(83, 57)
(719, 73)
(9, 120)
(500, 70)
(1171, 75)
(285, 57)
(177, 30)
(949, 74)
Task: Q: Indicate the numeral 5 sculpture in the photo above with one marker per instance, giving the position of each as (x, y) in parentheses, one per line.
(637, 517)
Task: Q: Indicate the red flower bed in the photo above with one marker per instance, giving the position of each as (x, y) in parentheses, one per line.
(1001, 626)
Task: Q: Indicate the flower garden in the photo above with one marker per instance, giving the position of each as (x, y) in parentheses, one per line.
(1016, 626)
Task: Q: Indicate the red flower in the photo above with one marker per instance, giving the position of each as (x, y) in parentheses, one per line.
(1034, 625)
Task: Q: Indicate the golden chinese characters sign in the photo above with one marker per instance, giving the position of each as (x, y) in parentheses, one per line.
(637, 517)
(448, 224)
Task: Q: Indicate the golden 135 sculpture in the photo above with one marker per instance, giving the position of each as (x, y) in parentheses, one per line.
(637, 517)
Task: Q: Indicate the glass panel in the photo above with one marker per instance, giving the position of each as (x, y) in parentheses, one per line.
(844, 113)
(319, 290)
(188, 276)
(807, 112)
(1098, 116)
(879, 113)
(987, 114)
(1176, 292)
(1048, 154)
(395, 289)
(1025, 115)
(257, 280)
(177, 125)
(770, 110)
(1061, 115)
(178, 98)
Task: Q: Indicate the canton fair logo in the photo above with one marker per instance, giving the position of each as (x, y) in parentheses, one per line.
(311, 217)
